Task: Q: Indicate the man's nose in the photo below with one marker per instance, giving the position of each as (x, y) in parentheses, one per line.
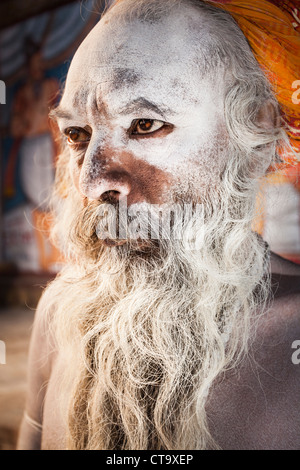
(114, 184)
(102, 179)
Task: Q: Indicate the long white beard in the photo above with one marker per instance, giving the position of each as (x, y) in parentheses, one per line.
(149, 331)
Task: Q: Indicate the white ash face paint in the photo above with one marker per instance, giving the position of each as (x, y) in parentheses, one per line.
(160, 62)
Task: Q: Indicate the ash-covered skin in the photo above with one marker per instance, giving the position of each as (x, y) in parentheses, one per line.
(146, 72)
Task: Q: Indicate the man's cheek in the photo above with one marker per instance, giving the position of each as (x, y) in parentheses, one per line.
(159, 151)
(75, 171)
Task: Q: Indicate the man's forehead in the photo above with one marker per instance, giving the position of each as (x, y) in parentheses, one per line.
(163, 62)
(122, 50)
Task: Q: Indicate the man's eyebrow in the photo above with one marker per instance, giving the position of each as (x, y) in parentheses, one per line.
(60, 113)
(136, 106)
(141, 104)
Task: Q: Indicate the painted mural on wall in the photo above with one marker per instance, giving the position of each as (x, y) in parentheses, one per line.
(34, 60)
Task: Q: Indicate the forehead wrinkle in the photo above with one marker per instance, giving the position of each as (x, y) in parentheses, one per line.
(86, 101)
(98, 105)
(60, 113)
(80, 97)
(140, 104)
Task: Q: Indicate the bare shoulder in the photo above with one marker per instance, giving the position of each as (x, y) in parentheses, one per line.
(41, 354)
(278, 330)
(280, 325)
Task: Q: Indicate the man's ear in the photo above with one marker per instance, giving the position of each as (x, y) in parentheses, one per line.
(268, 119)
(268, 116)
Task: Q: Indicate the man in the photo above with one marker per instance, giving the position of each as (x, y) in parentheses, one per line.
(177, 334)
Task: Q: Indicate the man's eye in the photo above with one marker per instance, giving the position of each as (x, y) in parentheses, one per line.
(145, 126)
(77, 135)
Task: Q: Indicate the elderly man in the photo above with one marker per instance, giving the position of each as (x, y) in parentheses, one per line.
(172, 326)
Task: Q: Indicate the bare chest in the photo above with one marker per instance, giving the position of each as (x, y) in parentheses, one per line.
(256, 408)
(262, 412)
